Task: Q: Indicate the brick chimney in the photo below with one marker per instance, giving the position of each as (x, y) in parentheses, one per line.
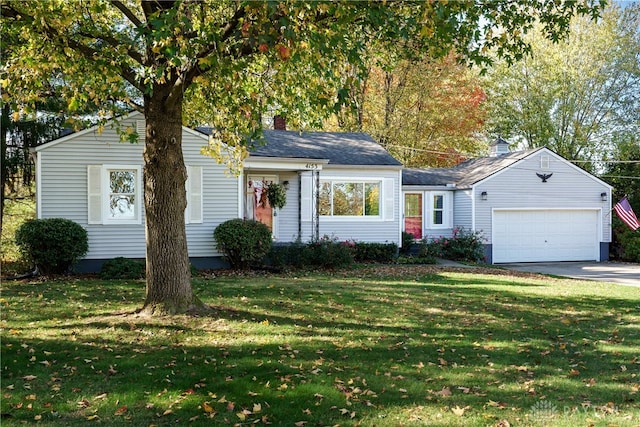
(279, 123)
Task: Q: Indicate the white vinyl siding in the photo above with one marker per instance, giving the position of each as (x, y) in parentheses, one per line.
(66, 189)
(518, 187)
(463, 209)
(384, 227)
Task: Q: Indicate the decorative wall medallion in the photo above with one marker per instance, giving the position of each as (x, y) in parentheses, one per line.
(544, 176)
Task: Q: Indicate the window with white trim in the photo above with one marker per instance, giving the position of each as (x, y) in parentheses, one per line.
(349, 198)
(114, 194)
(122, 197)
(440, 210)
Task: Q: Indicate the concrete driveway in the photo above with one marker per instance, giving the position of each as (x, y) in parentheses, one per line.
(614, 272)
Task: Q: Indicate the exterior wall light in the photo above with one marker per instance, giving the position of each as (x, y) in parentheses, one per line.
(603, 197)
(286, 185)
(483, 195)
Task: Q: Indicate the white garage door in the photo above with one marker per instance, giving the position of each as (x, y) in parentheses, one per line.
(545, 235)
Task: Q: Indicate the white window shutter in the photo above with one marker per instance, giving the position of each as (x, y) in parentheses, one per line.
(388, 199)
(448, 213)
(141, 130)
(194, 195)
(306, 196)
(94, 194)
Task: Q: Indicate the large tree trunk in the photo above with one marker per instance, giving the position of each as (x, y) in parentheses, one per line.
(168, 270)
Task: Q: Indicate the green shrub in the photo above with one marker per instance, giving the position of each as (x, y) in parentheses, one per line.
(430, 249)
(407, 242)
(375, 252)
(244, 242)
(464, 245)
(290, 255)
(52, 244)
(328, 252)
(418, 259)
(122, 268)
(627, 243)
(325, 253)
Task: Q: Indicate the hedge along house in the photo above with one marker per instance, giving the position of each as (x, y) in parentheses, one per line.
(341, 185)
(530, 206)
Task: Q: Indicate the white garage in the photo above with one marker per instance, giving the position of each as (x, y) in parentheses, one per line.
(536, 235)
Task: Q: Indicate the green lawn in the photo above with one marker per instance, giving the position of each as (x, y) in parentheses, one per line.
(387, 346)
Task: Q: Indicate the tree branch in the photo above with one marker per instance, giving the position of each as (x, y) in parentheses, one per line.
(127, 12)
(63, 41)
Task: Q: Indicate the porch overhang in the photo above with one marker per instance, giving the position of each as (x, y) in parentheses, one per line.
(284, 164)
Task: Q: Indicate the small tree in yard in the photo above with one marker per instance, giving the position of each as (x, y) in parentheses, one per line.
(232, 59)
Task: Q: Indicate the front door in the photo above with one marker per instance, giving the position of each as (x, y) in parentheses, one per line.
(257, 205)
(413, 214)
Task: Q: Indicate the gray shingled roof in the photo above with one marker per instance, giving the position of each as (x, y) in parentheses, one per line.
(339, 148)
(466, 173)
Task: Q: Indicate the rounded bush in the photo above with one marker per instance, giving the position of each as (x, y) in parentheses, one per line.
(244, 242)
(122, 268)
(53, 244)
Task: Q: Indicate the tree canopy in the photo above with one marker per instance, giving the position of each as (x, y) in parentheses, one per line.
(573, 96)
(239, 57)
(424, 111)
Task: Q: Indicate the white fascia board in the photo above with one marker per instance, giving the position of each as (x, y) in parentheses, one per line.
(287, 164)
(417, 188)
(83, 132)
(194, 132)
(366, 167)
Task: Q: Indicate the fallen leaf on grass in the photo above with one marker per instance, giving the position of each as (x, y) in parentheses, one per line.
(459, 411)
(500, 405)
(121, 410)
(446, 391)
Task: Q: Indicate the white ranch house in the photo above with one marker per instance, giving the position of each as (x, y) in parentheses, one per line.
(343, 185)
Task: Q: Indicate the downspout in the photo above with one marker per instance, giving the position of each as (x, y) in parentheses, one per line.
(36, 159)
(473, 208)
(299, 206)
(317, 216)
